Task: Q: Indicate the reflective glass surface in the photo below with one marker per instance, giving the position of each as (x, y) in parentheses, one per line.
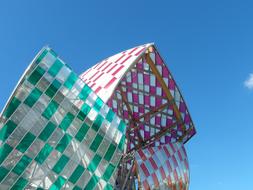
(53, 135)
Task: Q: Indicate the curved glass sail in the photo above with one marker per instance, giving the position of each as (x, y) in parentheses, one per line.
(164, 167)
(57, 133)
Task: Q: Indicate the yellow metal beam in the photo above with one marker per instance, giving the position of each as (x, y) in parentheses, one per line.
(164, 86)
(130, 113)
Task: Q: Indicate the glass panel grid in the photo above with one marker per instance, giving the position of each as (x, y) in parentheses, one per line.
(51, 90)
(33, 97)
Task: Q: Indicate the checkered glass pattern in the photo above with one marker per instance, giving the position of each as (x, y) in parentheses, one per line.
(105, 75)
(143, 93)
(163, 167)
(148, 107)
(132, 76)
(57, 133)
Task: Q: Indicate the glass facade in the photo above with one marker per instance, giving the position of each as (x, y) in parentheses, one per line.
(122, 124)
(56, 132)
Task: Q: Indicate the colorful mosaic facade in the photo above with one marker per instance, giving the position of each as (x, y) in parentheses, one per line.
(163, 166)
(57, 133)
(121, 125)
(142, 91)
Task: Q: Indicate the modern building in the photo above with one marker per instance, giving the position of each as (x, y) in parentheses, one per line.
(122, 124)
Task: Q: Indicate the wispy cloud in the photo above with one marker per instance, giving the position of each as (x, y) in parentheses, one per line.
(249, 82)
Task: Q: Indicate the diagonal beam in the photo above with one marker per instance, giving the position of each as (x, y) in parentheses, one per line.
(154, 111)
(130, 113)
(164, 86)
(124, 98)
(166, 90)
(156, 136)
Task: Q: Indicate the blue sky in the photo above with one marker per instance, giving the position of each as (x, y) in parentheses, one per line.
(208, 46)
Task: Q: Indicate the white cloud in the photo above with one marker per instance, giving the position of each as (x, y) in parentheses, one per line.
(249, 82)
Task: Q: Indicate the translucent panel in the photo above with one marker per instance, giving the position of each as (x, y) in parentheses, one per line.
(20, 113)
(58, 183)
(50, 110)
(61, 163)
(55, 68)
(36, 75)
(43, 154)
(163, 167)
(70, 80)
(108, 172)
(9, 180)
(96, 142)
(5, 151)
(20, 184)
(33, 97)
(7, 129)
(63, 143)
(52, 89)
(76, 174)
(21, 165)
(47, 131)
(110, 152)
(25, 142)
(66, 121)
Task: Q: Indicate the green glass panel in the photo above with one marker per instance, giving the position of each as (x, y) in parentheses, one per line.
(70, 80)
(3, 172)
(7, 129)
(92, 183)
(77, 188)
(43, 154)
(61, 163)
(63, 143)
(76, 174)
(110, 115)
(85, 92)
(53, 88)
(96, 142)
(98, 104)
(55, 68)
(26, 142)
(85, 109)
(20, 184)
(22, 164)
(108, 172)
(58, 183)
(36, 75)
(47, 131)
(97, 123)
(122, 143)
(94, 163)
(108, 187)
(33, 97)
(50, 110)
(109, 153)
(15, 102)
(4, 152)
(122, 126)
(41, 56)
(82, 132)
(81, 115)
(66, 121)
